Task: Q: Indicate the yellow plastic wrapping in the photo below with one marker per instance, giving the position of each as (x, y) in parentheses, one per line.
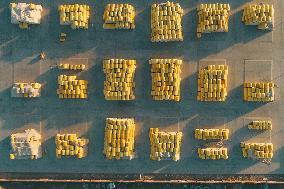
(75, 15)
(119, 138)
(119, 83)
(166, 79)
(166, 22)
(213, 83)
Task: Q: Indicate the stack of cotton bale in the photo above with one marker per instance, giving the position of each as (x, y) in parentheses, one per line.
(25, 14)
(213, 153)
(79, 67)
(26, 145)
(213, 83)
(119, 16)
(261, 15)
(165, 145)
(75, 15)
(71, 87)
(26, 90)
(119, 83)
(259, 91)
(258, 150)
(209, 134)
(213, 18)
(166, 22)
(260, 125)
(119, 138)
(71, 145)
(166, 79)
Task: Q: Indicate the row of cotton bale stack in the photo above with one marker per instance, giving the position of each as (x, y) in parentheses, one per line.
(259, 91)
(209, 134)
(79, 67)
(213, 18)
(71, 87)
(260, 125)
(71, 145)
(213, 83)
(119, 83)
(119, 16)
(119, 138)
(213, 153)
(166, 18)
(166, 79)
(25, 14)
(166, 22)
(261, 15)
(26, 145)
(26, 90)
(165, 145)
(258, 150)
(75, 15)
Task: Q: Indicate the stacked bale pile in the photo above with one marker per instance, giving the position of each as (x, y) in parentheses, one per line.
(166, 79)
(213, 83)
(213, 18)
(119, 16)
(26, 90)
(213, 153)
(261, 15)
(25, 14)
(75, 15)
(70, 87)
(26, 145)
(79, 67)
(165, 145)
(209, 134)
(259, 91)
(119, 138)
(258, 150)
(260, 125)
(119, 83)
(71, 145)
(166, 22)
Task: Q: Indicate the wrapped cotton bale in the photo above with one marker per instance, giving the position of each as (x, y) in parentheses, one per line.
(75, 15)
(119, 138)
(119, 16)
(213, 153)
(213, 83)
(165, 145)
(166, 79)
(119, 83)
(211, 134)
(71, 145)
(257, 150)
(72, 88)
(260, 125)
(261, 15)
(259, 91)
(78, 67)
(166, 22)
(213, 18)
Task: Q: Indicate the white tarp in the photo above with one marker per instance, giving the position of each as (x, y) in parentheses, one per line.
(22, 12)
(16, 91)
(26, 144)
